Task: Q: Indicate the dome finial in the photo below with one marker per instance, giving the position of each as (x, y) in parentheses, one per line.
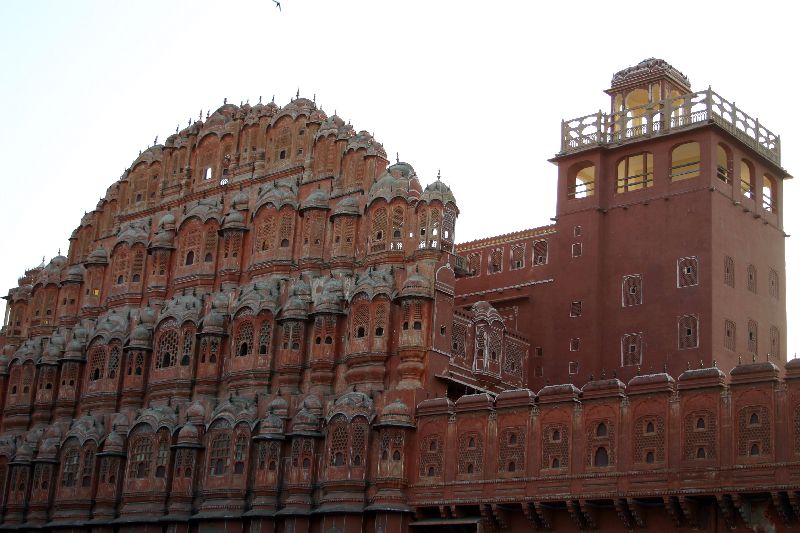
(200, 115)
(59, 251)
(314, 98)
(439, 175)
(259, 99)
(397, 156)
(224, 101)
(298, 93)
(155, 141)
(273, 98)
(177, 127)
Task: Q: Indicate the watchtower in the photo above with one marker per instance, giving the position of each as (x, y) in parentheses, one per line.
(670, 217)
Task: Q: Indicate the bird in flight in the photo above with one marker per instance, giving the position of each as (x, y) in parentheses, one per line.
(278, 4)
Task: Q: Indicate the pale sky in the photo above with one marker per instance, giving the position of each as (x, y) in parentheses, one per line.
(476, 89)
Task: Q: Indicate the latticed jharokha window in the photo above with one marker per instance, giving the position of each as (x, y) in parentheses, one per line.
(141, 457)
(631, 290)
(729, 340)
(752, 336)
(752, 278)
(729, 271)
(517, 256)
(243, 345)
(635, 172)
(582, 183)
(685, 161)
(687, 271)
(631, 349)
(496, 261)
(774, 284)
(71, 464)
(539, 252)
(774, 343)
(688, 332)
(474, 263)
(167, 349)
(220, 452)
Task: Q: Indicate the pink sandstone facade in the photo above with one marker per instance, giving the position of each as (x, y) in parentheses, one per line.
(265, 326)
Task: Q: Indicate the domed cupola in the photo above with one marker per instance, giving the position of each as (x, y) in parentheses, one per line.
(305, 421)
(77, 345)
(279, 407)
(98, 257)
(438, 190)
(395, 414)
(364, 140)
(416, 285)
(271, 427)
(234, 221)
(318, 199)
(113, 443)
(331, 297)
(75, 274)
(347, 206)
(295, 309)
(189, 436)
(399, 180)
(330, 126)
(241, 200)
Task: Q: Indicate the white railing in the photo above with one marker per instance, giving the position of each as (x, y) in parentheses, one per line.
(665, 116)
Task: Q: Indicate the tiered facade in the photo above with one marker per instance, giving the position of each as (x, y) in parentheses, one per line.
(265, 326)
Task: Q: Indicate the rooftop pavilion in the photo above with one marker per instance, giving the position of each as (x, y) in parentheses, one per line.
(652, 99)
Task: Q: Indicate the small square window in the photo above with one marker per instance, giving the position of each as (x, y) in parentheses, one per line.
(577, 249)
(573, 367)
(574, 344)
(575, 309)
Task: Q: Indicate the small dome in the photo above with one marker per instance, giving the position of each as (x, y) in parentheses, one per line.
(113, 442)
(318, 199)
(312, 403)
(399, 180)
(295, 309)
(305, 420)
(234, 220)
(438, 190)
(140, 338)
(271, 425)
(279, 407)
(240, 200)
(196, 411)
(416, 285)
(98, 257)
(188, 434)
(24, 452)
(167, 221)
(75, 273)
(347, 206)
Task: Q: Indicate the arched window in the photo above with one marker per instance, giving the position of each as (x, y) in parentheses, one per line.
(581, 184)
(649, 458)
(602, 430)
(650, 428)
(724, 163)
(142, 451)
(220, 452)
(162, 457)
(556, 437)
(635, 172)
(754, 449)
(701, 453)
(601, 457)
(769, 194)
(754, 421)
(746, 174)
(189, 258)
(71, 463)
(701, 423)
(555, 463)
(244, 339)
(208, 173)
(685, 161)
(167, 348)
